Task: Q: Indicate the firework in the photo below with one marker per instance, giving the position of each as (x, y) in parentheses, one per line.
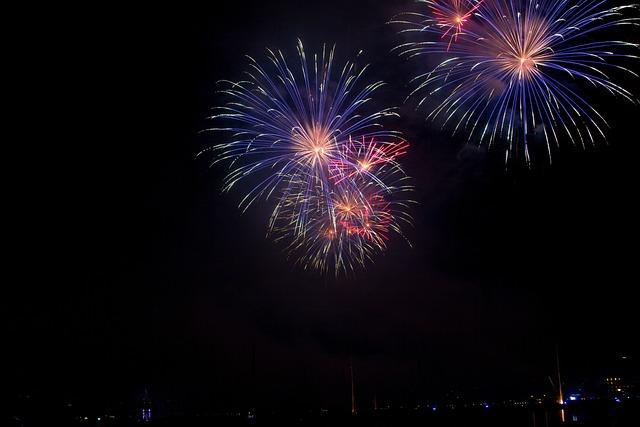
(346, 230)
(300, 139)
(515, 70)
(349, 222)
(365, 158)
(445, 18)
(287, 127)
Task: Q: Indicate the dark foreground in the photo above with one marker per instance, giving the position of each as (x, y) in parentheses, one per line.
(588, 414)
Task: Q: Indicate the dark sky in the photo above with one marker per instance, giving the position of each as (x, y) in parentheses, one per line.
(134, 271)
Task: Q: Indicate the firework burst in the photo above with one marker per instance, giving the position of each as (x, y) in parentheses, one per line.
(444, 18)
(365, 158)
(514, 70)
(346, 230)
(299, 137)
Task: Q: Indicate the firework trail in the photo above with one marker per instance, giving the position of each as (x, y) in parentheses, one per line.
(516, 69)
(299, 137)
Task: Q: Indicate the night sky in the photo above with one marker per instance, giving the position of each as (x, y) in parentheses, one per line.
(134, 271)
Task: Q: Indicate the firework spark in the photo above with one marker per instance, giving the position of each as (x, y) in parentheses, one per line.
(514, 69)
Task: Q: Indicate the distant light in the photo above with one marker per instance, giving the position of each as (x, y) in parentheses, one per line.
(434, 408)
(617, 400)
(98, 418)
(486, 406)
